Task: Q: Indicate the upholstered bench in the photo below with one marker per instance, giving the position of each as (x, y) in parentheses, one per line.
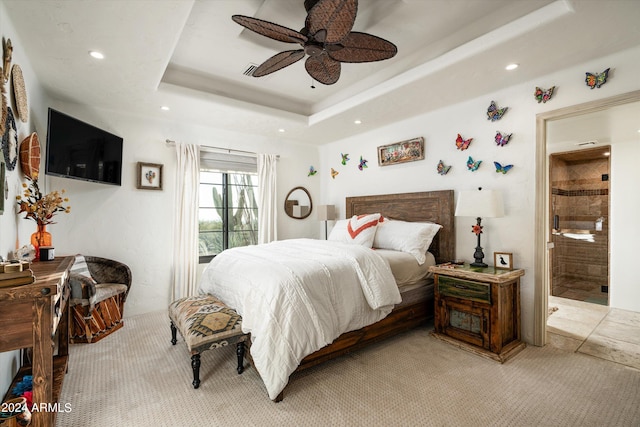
(205, 322)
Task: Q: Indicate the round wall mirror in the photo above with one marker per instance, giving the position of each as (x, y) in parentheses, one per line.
(298, 203)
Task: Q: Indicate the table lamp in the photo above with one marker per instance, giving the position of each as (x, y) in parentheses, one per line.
(480, 204)
(326, 213)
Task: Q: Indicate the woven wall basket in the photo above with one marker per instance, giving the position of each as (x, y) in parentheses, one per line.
(20, 93)
(30, 156)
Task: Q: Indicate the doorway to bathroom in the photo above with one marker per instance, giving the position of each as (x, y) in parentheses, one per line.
(579, 220)
(611, 121)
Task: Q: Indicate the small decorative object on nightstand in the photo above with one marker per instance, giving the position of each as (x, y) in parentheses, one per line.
(503, 260)
(478, 309)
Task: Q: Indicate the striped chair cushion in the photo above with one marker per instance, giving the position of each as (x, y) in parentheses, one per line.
(83, 286)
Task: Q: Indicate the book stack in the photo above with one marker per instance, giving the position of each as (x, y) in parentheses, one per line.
(15, 273)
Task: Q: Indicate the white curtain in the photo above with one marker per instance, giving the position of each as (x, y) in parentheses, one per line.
(267, 209)
(185, 229)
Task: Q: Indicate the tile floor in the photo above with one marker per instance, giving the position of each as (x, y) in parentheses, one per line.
(607, 333)
(580, 289)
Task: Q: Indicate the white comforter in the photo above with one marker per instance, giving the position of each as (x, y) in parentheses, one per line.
(296, 296)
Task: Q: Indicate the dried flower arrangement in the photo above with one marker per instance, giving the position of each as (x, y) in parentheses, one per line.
(38, 207)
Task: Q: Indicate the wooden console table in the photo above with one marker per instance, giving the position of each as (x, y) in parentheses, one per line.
(34, 316)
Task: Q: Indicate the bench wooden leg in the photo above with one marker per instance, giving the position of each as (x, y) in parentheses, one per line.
(174, 331)
(240, 353)
(195, 365)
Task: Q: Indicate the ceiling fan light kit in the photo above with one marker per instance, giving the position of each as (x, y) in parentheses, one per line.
(326, 40)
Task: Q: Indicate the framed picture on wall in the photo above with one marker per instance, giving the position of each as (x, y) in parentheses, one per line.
(503, 260)
(401, 152)
(149, 176)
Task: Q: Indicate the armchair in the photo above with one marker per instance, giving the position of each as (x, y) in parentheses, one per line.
(99, 288)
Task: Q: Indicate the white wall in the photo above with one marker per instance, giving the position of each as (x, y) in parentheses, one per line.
(625, 233)
(514, 232)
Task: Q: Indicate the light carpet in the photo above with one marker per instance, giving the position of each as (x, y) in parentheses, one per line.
(136, 377)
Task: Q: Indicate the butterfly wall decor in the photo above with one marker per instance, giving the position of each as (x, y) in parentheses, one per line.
(312, 171)
(543, 95)
(503, 169)
(473, 165)
(442, 168)
(363, 163)
(494, 113)
(462, 144)
(501, 139)
(345, 158)
(334, 173)
(597, 79)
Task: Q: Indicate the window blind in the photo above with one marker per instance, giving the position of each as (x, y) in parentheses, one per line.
(227, 162)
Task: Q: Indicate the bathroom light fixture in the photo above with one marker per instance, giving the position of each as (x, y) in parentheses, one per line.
(357, 122)
(96, 54)
(164, 108)
(281, 130)
(511, 67)
(479, 203)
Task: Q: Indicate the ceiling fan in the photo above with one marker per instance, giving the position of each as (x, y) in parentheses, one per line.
(326, 37)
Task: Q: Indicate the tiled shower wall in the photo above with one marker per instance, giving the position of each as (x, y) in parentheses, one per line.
(580, 195)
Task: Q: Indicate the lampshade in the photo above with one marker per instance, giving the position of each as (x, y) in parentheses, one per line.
(326, 212)
(480, 203)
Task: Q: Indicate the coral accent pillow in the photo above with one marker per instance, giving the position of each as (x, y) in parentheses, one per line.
(359, 230)
(411, 237)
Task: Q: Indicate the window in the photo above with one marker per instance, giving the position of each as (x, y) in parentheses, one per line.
(228, 211)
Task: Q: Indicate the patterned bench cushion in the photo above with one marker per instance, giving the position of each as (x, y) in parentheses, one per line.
(205, 322)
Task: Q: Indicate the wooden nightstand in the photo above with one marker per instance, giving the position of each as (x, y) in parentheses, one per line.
(478, 309)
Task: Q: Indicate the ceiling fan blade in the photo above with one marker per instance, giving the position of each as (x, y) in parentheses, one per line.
(363, 47)
(269, 29)
(308, 4)
(334, 16)
(323, 69)
(278, 62)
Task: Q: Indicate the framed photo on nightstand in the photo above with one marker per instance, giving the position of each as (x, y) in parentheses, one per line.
(503, 260)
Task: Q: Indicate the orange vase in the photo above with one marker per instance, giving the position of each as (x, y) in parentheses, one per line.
(40, 238)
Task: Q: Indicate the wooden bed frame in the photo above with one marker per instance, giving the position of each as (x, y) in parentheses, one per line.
(432, 206)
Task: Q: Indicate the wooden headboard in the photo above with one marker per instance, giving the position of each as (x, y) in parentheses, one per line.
(432, 206)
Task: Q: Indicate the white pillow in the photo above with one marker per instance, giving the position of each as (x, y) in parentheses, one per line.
(411, 237)
(359, 230)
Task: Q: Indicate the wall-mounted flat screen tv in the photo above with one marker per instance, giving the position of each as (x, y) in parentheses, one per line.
(78, 150)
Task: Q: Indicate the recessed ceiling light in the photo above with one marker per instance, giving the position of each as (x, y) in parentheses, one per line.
(357, 122)
(280, 130)
(165, 108)
(96, 54)
(511, 67)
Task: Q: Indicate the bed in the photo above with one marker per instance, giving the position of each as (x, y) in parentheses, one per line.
(413, 306)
